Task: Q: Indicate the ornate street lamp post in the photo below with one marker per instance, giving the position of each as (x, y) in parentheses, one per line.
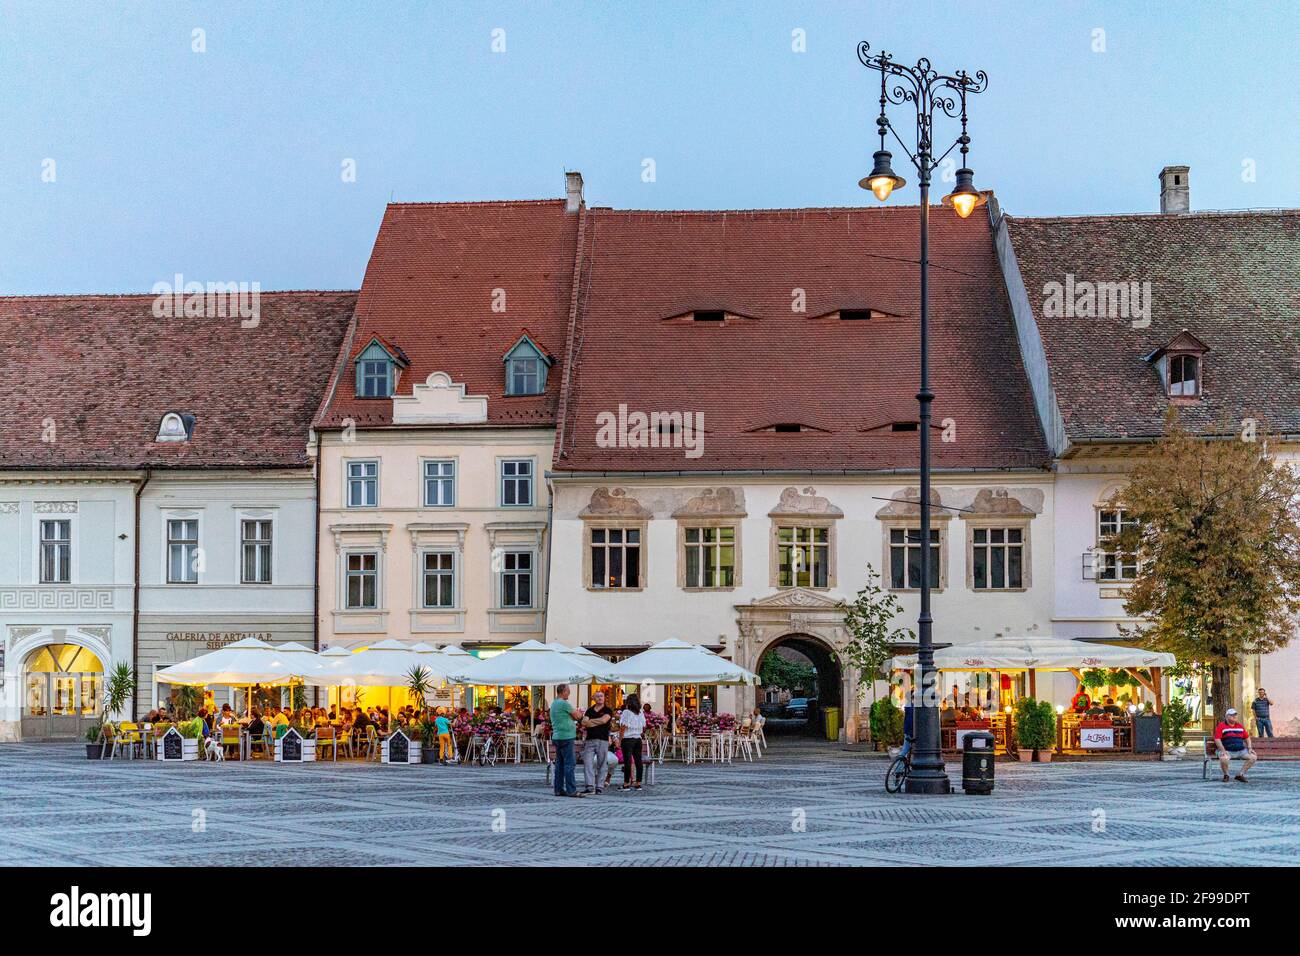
(927, 93)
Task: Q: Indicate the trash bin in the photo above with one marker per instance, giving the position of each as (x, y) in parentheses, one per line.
(832, 717)
(977, 762)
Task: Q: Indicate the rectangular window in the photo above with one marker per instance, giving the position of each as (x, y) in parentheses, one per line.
(905, 558)
(517, 482)
(255, 545)
(525, 376)
(362, 588)
(439, 484)
(710, 557)
(803, 557)
(375, 378)
(439, 579)
(615, 558)
(363, 484)
(517, 579)
(182, 551)
(56, 552)
(997, 558)
(1111, 564)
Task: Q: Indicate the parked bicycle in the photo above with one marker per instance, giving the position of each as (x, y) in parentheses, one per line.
(900, 768)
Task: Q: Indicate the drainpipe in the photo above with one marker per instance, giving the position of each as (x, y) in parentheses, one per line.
(550, 537)
(315, 574)
(135, 602)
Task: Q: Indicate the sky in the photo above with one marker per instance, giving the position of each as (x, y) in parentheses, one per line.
(133, 148)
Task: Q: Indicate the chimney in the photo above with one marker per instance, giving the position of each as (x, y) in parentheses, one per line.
(572, 191)
(1175, 191)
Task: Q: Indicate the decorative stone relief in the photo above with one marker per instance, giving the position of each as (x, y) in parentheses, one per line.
(796, 503)
(55, 507)
(8, 507)
(606, 503)
(1025, 502)
(714, 502)
(439, 401)
(906, 503)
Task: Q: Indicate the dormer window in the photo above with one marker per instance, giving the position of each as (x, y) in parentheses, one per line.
(1184, 376)
(377, 370)
(1181, 366)
(173, 427)
(526, 365)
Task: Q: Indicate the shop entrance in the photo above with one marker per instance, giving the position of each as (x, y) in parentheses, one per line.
(63, 687)
(800, 677)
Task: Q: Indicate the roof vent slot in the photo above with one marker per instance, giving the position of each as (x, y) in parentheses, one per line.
(709, 315)
(905, 427)
(855, 315)
(787, 427)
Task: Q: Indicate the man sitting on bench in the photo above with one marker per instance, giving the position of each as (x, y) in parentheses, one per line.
(1232, 741)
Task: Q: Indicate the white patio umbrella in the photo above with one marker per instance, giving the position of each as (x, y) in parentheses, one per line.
(1037, 653)
(599, 665)
(386, 664)
(530, 663)
(241, 664)
(678, 662)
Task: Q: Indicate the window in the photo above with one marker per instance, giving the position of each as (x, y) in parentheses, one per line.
(997, 558)
(56, 552)
(710, 557)
(362, 589)
(517, 482)
(363, 484)
(1113, 565)
(905, 558)
(439, 579)
(803, 557)
(525, 376)
(374, 376)
(1184, 375)
(517, 579)
(615, 557)
(439, 484)
(255, 546)
(182, 551)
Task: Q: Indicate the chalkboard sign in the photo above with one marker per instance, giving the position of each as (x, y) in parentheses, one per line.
(173, 745)
(291, 746)
(399, 748)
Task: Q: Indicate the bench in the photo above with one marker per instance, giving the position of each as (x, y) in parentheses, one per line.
(1267, 748)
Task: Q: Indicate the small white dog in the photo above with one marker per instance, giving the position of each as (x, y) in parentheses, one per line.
(214, 749)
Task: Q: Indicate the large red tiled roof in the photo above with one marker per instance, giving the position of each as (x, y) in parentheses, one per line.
(850, 379)
(104, 370)
(429, 290)
(1230, 279)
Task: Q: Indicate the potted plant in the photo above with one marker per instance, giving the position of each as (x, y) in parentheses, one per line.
(119, 687)
(95, 739)
(1173, 722)
(429, 739)
(1046, 731)
(1035, 728)
(886, 724)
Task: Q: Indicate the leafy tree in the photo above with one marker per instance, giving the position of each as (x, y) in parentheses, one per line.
(1218, 546)
(778, 671)
(868, 619)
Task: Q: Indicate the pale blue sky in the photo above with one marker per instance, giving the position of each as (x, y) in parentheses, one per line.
(225, 165)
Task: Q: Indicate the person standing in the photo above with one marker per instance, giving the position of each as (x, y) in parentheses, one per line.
(596, 721)
(632, 725)
(442, 727)
(1260, 708)
(564, 732)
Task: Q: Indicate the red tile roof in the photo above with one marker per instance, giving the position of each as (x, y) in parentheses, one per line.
(1232, 280)
(429, 290)
(104, 371)
(774, 365)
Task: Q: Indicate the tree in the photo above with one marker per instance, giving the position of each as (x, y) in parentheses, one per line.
(867, 619)
(778, 671)
(1218, 547)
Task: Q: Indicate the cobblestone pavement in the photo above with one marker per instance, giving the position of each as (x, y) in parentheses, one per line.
(799, 806)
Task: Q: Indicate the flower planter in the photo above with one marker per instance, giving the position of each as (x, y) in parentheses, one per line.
(95, 751)
(1025, 755)
(428, 754)
(1043, 756)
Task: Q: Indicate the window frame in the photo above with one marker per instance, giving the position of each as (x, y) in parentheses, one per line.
(425, 573)
(810, 528)
(348, 479)
(588, 557)
(999, 524)
(426, 479)
(348, 575)
(366, 374)
(888, 527)
(502, 479)
(267, 543)
(516, 573)
(1102, 550)
(687, 525)
(1182, 357)
(42, 542)
(169, 542)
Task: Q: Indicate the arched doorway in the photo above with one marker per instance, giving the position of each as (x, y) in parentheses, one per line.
(812, 672)
(63, 686)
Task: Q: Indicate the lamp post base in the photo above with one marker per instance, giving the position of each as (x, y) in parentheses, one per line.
(939, 784)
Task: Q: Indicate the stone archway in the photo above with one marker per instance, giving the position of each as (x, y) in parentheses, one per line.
(813, 623)
(60, 686)
(828, 686)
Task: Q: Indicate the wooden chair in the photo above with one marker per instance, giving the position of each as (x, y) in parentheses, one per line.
(230, 738)
(327, 737)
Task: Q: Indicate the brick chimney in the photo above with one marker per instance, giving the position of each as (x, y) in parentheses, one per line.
(572, 191)
(1175, 191)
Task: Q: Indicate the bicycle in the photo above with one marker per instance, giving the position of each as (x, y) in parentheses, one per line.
(899, 770)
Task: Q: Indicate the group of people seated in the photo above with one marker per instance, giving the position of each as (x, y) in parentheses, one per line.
(950, 714)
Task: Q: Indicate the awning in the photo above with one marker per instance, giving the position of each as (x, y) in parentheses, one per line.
(1036, 653)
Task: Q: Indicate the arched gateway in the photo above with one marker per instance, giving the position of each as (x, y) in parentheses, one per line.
(810, 623)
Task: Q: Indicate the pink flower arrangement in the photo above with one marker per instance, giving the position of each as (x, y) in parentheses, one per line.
(726, 723)
(656, 721)
(697, 724)
(463, 725)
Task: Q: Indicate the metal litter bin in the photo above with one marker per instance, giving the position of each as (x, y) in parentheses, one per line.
(977, 762)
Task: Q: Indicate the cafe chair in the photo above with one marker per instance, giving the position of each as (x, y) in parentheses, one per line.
(127, 736)
(230, 738)
(327, 737)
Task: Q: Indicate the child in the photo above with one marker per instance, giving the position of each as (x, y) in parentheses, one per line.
(443, 728)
